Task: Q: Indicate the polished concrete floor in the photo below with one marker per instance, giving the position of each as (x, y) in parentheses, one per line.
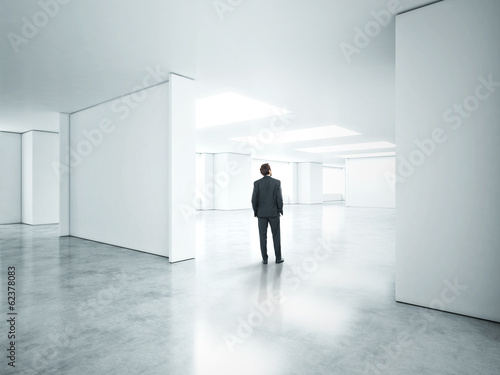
(90, 308)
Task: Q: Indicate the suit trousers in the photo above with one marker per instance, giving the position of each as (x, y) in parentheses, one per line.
(275, 230)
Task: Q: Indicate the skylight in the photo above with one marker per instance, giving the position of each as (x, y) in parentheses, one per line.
(349, 147)
(229, 108)
(308, 134)
(367, 155)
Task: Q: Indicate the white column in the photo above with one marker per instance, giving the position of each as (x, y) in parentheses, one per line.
(63, 171)
(40, 197)
(310, 183)
(10, 180)
(27, 178)
(182, 169)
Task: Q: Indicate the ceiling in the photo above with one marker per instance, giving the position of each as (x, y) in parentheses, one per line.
(283, 52)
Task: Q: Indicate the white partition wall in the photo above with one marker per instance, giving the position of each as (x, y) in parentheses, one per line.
(232, 181)
(131, 164)
(40, 186)
(119, 174)
(447, 139)
(10, 178)
(182, 169)
(367, 182)
(333, 184)
(205, 181)
(309, 183)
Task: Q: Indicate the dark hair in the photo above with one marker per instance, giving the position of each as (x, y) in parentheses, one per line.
(264, 169)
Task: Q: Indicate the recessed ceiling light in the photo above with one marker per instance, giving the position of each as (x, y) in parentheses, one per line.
(229, 108)
(308, 134)
(349, 147)
(368, 155)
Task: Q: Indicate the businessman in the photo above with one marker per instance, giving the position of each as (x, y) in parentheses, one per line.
(267, 203)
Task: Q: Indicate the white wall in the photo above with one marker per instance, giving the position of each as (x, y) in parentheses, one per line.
(40, 190)
(205, 181)
(294, 191)
(45, 181)
(333, 184)
(447, 137)
(309, 183)
(233, 181)
(367, 184)
(10, 178)
(119, 179)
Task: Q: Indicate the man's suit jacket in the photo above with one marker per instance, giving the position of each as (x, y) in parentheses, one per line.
(267, 200)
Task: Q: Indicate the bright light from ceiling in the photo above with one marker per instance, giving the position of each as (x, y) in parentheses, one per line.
(368, 155)
(349, 147)
(321, 132)
(229, 108)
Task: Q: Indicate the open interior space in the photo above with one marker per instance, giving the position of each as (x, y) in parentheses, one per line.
(250, 187)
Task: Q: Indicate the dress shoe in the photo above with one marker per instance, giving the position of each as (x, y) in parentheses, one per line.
(264, 262)
(280, 260)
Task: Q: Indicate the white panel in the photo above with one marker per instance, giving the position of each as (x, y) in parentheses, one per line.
(45, 179)
(119, 172)
(209, 177)
(182, 168)
(200, 182)
(447, 137)
(233, 181)
(368, 184)
(10, 178)
(333, 184)
(63, 172)
(240, 184)
(317, 183)
(220, 182)
(27, 178)
(294, 193)
(310, 183)
(303, 182)
(204, 181)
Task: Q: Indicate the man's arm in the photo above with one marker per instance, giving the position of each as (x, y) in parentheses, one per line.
(255, 198)
(279, 202)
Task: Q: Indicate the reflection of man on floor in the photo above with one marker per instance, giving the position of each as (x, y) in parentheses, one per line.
(267, 203)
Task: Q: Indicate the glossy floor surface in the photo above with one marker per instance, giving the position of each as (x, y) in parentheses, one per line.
(90, 308)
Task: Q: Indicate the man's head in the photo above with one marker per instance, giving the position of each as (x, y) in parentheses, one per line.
(265, 170)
